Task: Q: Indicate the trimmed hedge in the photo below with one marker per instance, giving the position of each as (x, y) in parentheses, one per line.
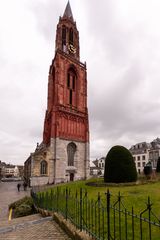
(148, 169)
(119, 166)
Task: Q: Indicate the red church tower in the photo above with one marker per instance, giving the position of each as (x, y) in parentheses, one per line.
(64, 152)
(67, 115)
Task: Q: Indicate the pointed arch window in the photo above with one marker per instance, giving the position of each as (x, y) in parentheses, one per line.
(64, 31)
(44, 167)
(71, 36)
(71, 149)
(71, 87)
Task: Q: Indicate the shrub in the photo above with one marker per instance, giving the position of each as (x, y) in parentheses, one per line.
(22, 207)
(158, 165)
(26, 200)
(148, 169)
(23, 210)
(119, 166)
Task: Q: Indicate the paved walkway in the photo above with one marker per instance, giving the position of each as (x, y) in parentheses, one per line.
(31, 228)
(25, 228)
(9, 194)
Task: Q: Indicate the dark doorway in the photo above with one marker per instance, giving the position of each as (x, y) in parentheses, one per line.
(71, 177)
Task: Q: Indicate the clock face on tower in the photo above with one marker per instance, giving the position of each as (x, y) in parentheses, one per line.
(71, 48)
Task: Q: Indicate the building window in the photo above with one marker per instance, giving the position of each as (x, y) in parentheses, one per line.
(71, 87)
(43, 167)
(73, 82)
(139, 164)
(68, 81)
(71, 149)
(157, 155)
(138, 158)
(151, 155)
(143, 157)
(70, 97)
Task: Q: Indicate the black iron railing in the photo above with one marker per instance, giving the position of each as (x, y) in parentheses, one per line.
(105, 218)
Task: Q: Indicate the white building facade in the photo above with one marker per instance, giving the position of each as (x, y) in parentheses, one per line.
(98, 167)
(146, 152)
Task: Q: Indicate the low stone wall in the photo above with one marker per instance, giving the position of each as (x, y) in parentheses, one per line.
(66, 225)
(39, 181)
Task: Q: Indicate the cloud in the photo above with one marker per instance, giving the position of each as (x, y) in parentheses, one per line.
(46, 15)
(123, 72)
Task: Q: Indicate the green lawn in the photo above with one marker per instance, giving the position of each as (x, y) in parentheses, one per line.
(135, 196)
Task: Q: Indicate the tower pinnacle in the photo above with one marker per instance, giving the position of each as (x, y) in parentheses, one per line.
(68, 12)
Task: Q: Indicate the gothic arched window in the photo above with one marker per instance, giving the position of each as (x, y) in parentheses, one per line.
(71, 36)
(71, 87)
(64, 38)
(43, 167)
(71, 149)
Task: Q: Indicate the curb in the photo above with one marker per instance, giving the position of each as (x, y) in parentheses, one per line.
(23, 225)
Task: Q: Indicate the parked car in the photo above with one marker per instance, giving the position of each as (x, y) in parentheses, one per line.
(14, 179)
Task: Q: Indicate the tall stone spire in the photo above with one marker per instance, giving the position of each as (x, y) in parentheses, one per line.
(68, 12)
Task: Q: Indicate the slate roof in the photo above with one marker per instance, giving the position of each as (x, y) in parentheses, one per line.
(68, 12)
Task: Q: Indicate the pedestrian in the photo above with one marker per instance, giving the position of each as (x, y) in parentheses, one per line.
(25, 186)
(18, 186)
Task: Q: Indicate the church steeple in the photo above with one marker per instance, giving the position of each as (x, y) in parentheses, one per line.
(68, 12)
(67, 36)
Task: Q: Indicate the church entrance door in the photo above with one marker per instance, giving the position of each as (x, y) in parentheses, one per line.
(71, 177)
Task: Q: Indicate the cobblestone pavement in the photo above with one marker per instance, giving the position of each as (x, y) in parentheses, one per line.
(22, 220)
(26, 228)
(37, 228)
(9, 194)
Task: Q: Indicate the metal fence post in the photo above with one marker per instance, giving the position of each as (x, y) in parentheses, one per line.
(99, 215)
(46, 200)
(51, 199)
(108, 213)
(149, 220)
(43, 200)
(57, 199)
(119, 207)
(149, 205)
(80, 209)
(66, 215)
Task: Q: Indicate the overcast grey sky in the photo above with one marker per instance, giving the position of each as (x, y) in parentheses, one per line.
(119, 40)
